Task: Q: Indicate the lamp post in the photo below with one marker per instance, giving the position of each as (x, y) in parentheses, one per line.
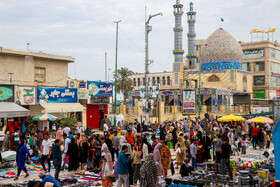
(199, 84)
(148, 28)
(116, 72)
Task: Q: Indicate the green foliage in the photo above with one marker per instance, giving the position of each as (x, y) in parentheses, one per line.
(30, 123)
(70, 121)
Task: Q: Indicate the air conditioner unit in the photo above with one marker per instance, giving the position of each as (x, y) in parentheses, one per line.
(72, 84)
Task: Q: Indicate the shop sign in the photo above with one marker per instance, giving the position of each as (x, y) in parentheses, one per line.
(82, 84)
(272, 94)
(253, 53)
(6, 93)
(57, 95)
(258, 80)
(100, 100)
(259, 94)
(26, 95)
(100, 88)
(189, 102)
(166, 93)
(142, 91)
(83, 93)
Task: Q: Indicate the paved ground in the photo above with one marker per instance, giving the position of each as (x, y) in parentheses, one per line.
(34, 176)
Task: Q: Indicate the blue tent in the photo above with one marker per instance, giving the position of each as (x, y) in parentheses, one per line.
(276, 143)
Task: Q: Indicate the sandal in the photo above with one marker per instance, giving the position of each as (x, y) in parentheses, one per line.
(26, 175)
(16, 178)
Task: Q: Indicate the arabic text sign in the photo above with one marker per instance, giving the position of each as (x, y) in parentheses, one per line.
(57, 95)
(26, 95)
(189, 100)
(262, 31)
(100, 88)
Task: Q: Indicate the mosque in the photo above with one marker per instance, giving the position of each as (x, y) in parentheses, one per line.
(211, 70)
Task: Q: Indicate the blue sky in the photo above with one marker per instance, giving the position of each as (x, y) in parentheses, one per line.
(84, 29)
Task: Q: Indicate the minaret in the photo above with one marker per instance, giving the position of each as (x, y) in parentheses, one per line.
(191, 37)
(178, 29)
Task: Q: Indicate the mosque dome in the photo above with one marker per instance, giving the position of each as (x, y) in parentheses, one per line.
(221, 51)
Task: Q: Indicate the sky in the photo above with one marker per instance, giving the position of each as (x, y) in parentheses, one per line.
(84, 29)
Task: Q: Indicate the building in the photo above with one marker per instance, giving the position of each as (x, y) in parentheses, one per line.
(262, 59)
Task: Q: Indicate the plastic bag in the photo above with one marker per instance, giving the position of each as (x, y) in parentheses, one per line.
(107, 171)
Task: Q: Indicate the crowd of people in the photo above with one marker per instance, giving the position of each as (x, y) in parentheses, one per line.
(143, 152)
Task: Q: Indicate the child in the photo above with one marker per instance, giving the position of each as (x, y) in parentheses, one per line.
(243, 145)
(267, 140)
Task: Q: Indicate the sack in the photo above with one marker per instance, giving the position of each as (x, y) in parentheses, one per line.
(107, 171)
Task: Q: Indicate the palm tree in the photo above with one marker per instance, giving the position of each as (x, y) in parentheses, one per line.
(125, 84)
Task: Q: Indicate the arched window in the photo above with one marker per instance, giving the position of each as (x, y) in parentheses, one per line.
(144, 81)
(168, 80)
(134, 81)
(244, 79)
(138, 81)
(163, 81)
(213, 78)
(231, 76)
(158, 80)
(154, 81)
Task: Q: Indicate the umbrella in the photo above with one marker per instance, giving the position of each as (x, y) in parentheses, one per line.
(261, 120)
(45, 117)
(230, 118)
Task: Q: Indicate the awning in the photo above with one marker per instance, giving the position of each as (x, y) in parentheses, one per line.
(12, 110)
(259, 114)
(62, 107)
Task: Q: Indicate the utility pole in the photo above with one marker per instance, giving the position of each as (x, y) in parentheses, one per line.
(148, 28)
(199, 84)
(106, 67)
(116, 71)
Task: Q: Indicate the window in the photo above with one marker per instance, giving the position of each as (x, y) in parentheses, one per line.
(138, 81)
(246, 66)
(158, 80)
(231, 76)
(163, 81)
(134, 82)
(144, 81)
(274, 53)
(259, 66)
(213, 78)
(168, 80)
(176, 78)
(154, 81)
(40, 74)
(258, 80)
(274, 67)
(244, 79)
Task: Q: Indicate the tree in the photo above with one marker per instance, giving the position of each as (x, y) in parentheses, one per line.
(124, 83)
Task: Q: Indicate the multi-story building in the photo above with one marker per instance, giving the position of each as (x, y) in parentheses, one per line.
(262, 59)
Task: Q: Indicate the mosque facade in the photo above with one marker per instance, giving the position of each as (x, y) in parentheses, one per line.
(215, 73)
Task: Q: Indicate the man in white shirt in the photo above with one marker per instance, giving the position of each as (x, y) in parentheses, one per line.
(66, 130)
(2, 135)
(103, 146)
(46, 154)
(16, 138)
(66, 142)
(105, 129)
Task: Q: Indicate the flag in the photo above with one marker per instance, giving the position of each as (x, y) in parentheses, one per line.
(222, 19)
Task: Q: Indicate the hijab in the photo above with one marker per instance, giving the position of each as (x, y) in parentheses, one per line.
(149, 172)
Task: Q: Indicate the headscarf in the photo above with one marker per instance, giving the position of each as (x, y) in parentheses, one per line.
(149, 172)
(108, 157)
(135, 148)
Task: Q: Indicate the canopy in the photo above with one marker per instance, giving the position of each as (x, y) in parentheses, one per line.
(260, 120)
(45, 117)
(259, 114)
(12, 110)
(230, 118)
(62, 107)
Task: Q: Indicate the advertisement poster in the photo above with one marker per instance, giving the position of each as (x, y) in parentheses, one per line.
(83, 93)
(26, 95)
(189, 104)
(7, 93)
(57, 95)
(142, 91)
(100, 88)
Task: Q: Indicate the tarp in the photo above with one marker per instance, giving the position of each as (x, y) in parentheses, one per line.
(62, 107)
(276, 143)
(259, 114)
(12, 110)
(9, 155)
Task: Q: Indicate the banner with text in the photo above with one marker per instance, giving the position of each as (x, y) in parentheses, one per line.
(57, 95)
(100, 88)
(189, 100)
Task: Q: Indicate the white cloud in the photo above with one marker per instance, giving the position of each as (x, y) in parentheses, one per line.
(84, 29)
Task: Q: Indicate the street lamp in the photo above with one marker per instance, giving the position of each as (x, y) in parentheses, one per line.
(199, 84)
(116, 71)
(148, 28)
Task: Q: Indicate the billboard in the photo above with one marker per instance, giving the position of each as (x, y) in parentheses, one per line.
(57, 95)
(189, 102)
(259, 94)
(7, 93)
(100, 100)
(83, 93)
(26, 95)
(100, 88)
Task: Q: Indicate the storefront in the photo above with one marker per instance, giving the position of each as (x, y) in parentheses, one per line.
(100, 97)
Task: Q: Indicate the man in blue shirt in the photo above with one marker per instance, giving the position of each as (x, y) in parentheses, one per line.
(48, 178)
(123, 170)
